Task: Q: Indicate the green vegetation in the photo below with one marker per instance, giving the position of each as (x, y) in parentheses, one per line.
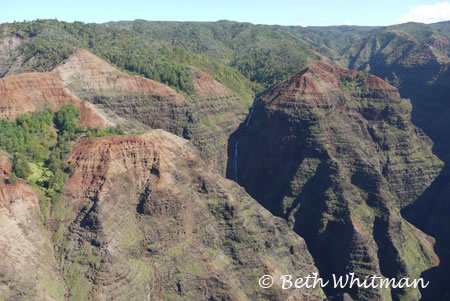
(12, 179)
(263, 54)
(98, 132)
(21, 166)
(158, 68)
(246, 58)
(50, 42)
(46, 54)
(353, 82)
(67, 119)
(39, 143)
(29, 138)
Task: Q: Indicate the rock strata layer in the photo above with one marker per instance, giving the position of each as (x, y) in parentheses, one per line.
(334, 152)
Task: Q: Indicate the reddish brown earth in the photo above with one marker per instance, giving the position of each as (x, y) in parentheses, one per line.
(334, 152)
(5, 166)
(92, 74)
(135, 102)
(28, 265)
(145, 219)
(165, 227)
(10, 193)
(318, 79)
(29, 92)
(20, 191)
(132, 101)
(206, 86)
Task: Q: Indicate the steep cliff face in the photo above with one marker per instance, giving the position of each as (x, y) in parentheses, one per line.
(334, 152)
(29, 92)
(136, 102)
(415, 58)
(28, 268)
(152, 222)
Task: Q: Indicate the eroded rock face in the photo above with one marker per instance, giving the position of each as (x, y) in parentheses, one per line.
(28, 268)
(136, 102)
(153, 223)
(29, 92)
(10, 59)
(419, 67)
(334, 152)
(85, 73)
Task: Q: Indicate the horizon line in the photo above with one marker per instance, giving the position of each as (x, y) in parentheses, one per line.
(217, 21)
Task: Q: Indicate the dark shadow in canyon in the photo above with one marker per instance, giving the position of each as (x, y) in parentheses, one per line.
(268, 177)
(430, 212)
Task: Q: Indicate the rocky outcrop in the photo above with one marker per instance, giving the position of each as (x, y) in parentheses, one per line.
(334, 152)
(152, 222)
(28, 269)
(29, 92)
(10, 58)
(136, 102)
(86, 74)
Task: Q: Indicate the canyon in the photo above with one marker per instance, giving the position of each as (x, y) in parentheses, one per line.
(254, 150)
(340, 158)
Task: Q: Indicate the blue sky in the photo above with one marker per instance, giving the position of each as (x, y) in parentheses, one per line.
(283, 12)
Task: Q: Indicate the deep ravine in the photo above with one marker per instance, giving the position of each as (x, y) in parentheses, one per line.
(334, 152)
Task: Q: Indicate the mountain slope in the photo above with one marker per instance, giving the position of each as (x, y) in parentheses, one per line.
(200, 108)
(137, 102)
(28, 267)
(144, 218)
(43, 44)
(416, 59)
(29, 92)
(334, 152)
(262, 53)
(156, 221)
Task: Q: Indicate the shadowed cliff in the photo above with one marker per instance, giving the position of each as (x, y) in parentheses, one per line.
(334, 152)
